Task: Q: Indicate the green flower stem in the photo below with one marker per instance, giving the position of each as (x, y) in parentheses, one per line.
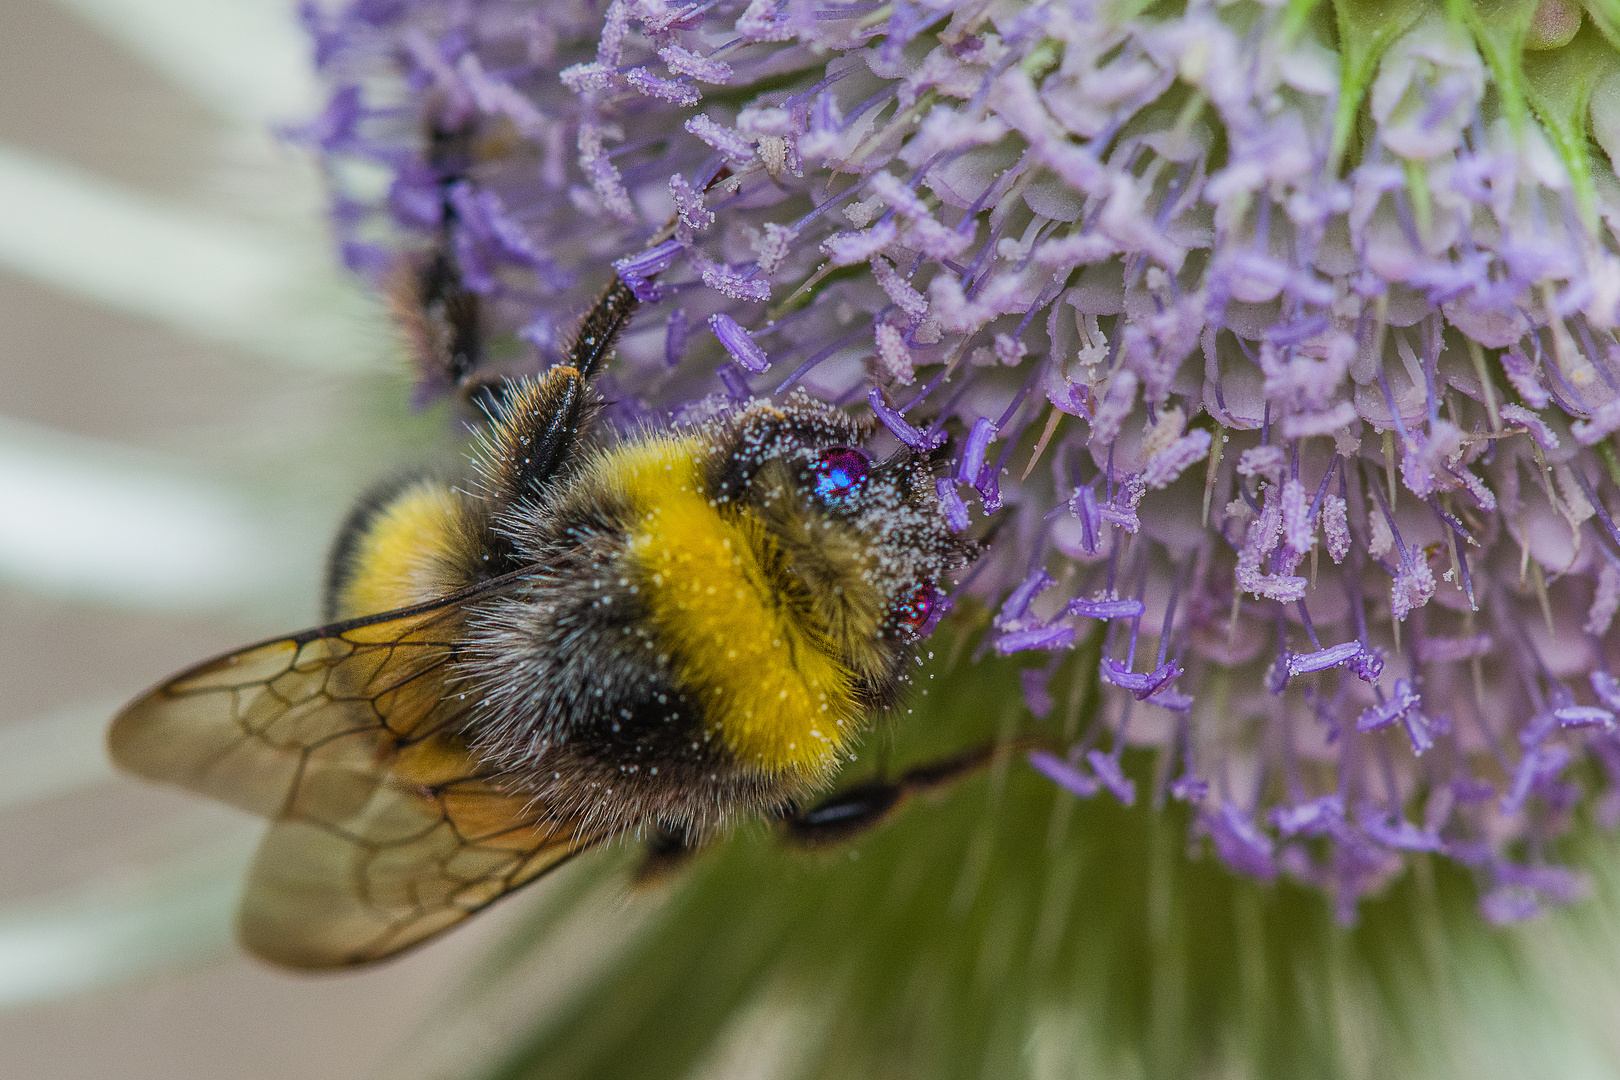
(1367, 28)
(1499, 27)
(1559, 83)
(1605, 15)
(1296, 17)
(1611, 461)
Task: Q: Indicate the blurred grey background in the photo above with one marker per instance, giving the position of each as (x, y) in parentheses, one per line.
(189, 396)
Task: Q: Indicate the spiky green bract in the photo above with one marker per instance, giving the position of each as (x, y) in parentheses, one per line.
(1007, 929)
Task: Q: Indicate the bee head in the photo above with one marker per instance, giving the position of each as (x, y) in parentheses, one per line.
(860, 545)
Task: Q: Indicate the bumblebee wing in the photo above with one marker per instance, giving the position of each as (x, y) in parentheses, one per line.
(339, 882)
(386, 832)
(255, 727)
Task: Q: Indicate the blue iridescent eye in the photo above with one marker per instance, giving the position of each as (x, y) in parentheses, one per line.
(837, 472)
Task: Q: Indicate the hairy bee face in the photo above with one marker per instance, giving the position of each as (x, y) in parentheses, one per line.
(720, 610)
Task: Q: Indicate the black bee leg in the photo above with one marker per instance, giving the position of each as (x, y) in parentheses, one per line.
(667, 851)
(848, 813)
(533, 427)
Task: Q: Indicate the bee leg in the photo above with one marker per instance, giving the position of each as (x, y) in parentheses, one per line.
(852, 811)
(488, 391)
(459, 312)
(533, 426)
(667, 851)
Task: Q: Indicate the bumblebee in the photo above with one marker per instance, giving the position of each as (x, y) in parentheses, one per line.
(659, 635)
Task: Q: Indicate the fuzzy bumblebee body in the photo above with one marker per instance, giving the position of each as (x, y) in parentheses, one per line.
(666, 634)
(701, 634)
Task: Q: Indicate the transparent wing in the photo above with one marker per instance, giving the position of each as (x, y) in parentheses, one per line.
(385, 830)
(259, 727)
(356, 876)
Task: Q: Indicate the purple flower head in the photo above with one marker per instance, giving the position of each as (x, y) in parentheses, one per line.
(1298, 379)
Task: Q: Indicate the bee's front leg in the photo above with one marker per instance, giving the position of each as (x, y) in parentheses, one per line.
(848, 813)
(668, 850)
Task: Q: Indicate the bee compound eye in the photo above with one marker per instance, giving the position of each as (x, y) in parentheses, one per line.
(838, 472)
(913, 612)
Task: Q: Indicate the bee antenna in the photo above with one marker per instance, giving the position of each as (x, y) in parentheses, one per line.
(938, 455)
(994, 525)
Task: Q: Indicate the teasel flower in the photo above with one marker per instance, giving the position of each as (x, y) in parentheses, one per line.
(1273, 346)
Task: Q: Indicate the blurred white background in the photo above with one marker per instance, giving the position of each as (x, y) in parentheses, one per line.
(190, 394)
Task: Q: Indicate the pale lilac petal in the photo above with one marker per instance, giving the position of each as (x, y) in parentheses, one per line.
(1106, 609)
(1063, 774)
(896, 423)
(738, 344)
